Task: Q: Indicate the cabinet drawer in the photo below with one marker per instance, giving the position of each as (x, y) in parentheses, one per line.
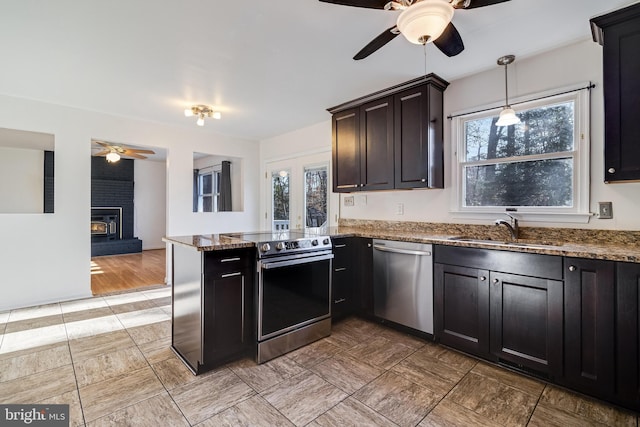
(219, 264)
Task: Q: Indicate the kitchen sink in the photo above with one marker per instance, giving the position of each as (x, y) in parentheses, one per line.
(520, 242)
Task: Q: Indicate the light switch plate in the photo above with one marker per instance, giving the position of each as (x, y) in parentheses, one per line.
(349, 200)
(605, 210)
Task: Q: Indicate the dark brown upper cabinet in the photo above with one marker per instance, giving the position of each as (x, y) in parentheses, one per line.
(390, 139)
(619, 34)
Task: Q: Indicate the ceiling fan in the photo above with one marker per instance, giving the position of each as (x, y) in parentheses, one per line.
(421, 22)
(113, 152)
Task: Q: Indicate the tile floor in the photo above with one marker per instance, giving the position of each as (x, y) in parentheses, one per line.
(109, 358)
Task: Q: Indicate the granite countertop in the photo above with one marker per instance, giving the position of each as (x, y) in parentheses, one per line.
(594, 245)
(209, 242)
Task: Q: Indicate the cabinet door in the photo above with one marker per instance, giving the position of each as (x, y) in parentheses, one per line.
(376, 145)
(225, 314)
(628, 333)
(346, 150)
(621, 64)
(526, 322)
(461, 297)
(418, 138)
(344, 261)
(589, 325)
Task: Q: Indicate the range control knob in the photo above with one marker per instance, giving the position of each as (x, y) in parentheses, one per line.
(280, 246)
(325, 242)
(314, 242)
(265, 247)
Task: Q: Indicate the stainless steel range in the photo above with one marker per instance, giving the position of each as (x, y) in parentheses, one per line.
(293, 290)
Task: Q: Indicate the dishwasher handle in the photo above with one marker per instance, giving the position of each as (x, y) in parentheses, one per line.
(401, 251)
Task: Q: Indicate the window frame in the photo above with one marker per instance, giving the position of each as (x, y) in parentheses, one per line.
(214, 171)
(579, 211)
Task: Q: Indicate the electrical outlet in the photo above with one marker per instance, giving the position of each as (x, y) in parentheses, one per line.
(349, 200)
(362, 200)
(605, 210)
(400, 209)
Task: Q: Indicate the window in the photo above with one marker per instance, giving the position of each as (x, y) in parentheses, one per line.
(315, 196)
(208, 189)
(280, 202)
(538, 167)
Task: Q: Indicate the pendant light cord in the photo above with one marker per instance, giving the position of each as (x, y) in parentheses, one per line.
(425, 58)
(506, 86)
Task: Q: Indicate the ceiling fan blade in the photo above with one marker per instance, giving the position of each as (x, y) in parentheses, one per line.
(480, 3)
(450, 42)
(104, 144)
(102, 153)
(136, 150)
(134, 155)
(371, 4)
(377, 43)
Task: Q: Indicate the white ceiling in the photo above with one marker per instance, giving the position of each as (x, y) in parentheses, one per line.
(269, 66)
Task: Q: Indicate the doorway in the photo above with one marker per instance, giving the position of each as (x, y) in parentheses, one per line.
(127, 247)
(298, 194)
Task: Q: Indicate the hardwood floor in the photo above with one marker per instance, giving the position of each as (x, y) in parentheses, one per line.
(115, 273)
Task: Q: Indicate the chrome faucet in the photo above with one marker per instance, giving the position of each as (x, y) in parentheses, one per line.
(512, 225)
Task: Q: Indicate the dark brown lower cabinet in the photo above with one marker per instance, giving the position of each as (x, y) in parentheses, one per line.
(461, 296)
(589, 305)
(345, 252)
(228, 307)
(628, 334)
(526, 322)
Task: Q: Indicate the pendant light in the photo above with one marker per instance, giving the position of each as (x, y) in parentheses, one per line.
(507, 115)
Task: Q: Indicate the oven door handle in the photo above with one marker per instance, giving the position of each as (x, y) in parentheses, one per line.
(276, 264)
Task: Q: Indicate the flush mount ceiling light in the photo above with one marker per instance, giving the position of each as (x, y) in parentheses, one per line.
(202, 111)
(425, 21)
(112, 156)
(507, 115)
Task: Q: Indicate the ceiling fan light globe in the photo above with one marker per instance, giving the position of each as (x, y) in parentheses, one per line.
(112, 157)
(426, 18)
(507, 117)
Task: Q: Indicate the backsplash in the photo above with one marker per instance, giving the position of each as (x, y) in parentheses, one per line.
(571, 235)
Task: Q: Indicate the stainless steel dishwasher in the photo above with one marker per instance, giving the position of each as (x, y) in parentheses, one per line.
(403, 283)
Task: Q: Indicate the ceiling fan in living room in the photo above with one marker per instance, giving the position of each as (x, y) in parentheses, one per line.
(421, 22)
(113, 152)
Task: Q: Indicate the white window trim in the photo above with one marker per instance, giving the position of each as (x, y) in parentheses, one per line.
(579, 212)
(214, 196)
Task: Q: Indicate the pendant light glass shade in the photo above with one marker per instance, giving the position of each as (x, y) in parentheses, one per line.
(507, 115)
(425, 21)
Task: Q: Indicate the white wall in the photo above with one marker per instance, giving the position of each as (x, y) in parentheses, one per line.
(566, 66)
(46, 257)
(150, 201)
(21, 180)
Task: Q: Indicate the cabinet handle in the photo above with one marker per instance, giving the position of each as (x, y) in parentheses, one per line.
(424, 180)
(338, 301)
(482, 278)
(611, 170)
(340, 246)
(368, 245)
(572, 268)
(224, 276)
(340, 269)
(496, 280)
(230, 259)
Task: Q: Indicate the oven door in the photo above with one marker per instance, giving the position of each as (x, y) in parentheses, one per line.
(293, 292)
